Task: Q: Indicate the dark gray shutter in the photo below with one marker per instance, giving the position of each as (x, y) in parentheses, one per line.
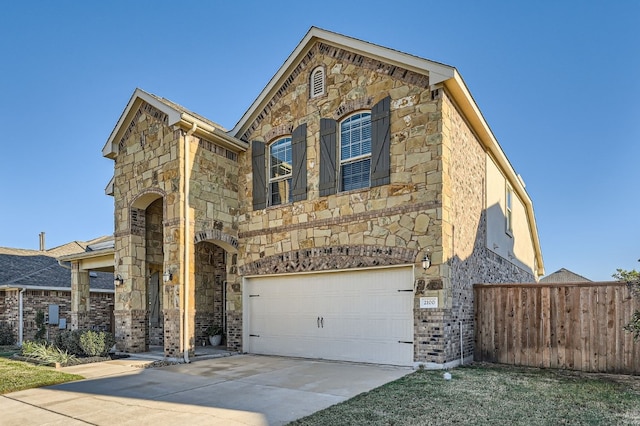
(299, 160)
(381, 142)
(328, 142)
(259, 169)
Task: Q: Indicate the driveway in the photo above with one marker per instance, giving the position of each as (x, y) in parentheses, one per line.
(236, 390)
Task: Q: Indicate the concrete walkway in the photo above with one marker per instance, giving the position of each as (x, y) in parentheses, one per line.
(235, 390)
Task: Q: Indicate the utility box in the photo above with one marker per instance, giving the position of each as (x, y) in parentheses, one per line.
(54, 314)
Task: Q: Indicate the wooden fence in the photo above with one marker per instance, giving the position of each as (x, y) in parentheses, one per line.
(574, 326)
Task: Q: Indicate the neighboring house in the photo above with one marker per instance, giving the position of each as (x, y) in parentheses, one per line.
(34, 280)
(563, 275)
(304, 229)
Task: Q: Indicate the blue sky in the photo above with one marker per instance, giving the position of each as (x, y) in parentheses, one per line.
(557, 81)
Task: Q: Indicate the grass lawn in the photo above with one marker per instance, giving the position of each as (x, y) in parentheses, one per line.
(492, 395)
(18, 375)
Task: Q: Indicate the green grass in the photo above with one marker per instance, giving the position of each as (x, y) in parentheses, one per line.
(492, 395)
(17, 375)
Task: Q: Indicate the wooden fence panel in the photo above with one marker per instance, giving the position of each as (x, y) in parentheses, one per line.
(577, 326)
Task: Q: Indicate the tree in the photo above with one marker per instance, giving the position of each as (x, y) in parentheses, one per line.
(632, 278)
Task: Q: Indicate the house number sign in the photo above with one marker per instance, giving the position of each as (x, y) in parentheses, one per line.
(428, 302)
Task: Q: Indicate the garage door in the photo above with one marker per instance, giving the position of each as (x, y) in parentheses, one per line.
(362, 316)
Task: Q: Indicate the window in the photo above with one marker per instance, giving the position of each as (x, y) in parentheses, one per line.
(280, 172)
(317, 82)
(355, 152)
(509, 216)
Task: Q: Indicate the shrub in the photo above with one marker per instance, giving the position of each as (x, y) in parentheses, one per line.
(96, 343)
(46, 353)
(6, 334)
(42, 329)
(69, 340)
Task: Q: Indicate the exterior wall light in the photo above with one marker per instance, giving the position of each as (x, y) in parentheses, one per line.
(426, 261)
(118, 280)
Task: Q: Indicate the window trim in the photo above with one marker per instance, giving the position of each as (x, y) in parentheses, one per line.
(355, 159)
(271, 180)
(509, 210)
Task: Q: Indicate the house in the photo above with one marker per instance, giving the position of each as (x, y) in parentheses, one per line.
(34, 280)
(563, 275)
(346, 216)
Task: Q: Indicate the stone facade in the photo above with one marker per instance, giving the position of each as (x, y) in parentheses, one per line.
(99, 316)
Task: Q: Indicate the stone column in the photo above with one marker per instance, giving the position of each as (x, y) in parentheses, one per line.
(131, 303)
(80, 298)
(233, 305)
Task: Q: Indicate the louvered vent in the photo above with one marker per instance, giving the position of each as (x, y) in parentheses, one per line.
(317, 82)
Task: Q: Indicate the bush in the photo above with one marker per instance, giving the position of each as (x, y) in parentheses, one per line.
(69, 340)
(45, 353)
(96, 343)
(42, 329)
(6, 334)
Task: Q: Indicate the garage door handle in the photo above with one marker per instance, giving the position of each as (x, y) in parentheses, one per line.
(404, 341)
(318, 322)
(322, 322)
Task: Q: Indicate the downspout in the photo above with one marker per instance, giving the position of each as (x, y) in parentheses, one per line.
(187, 240)
(20, 317)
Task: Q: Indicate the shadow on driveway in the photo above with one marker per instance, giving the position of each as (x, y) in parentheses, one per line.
(236, 390)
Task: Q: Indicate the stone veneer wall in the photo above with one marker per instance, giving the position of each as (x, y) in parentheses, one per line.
(402, 217)
(101, 306)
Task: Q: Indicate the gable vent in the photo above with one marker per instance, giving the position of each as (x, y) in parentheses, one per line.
(317, 82)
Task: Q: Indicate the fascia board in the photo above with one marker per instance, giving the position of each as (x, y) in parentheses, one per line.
(437, 72)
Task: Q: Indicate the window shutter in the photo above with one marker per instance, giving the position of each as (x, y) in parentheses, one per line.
(381, 142)
(328, 142)
(299, 160)
(259, 169)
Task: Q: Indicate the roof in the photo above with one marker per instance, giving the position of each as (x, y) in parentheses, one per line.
(174, 115)
(439, 75)
(33, 269)
(563, 275)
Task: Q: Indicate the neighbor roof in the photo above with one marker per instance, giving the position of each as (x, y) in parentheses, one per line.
(564, 276)
(35, 269)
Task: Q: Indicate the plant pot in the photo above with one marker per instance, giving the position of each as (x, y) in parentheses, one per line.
(215, 340)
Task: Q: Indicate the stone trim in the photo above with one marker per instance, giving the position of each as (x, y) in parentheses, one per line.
(149, 110)
(330, 258)
(285, 129)
(359, 217)
(216, 235)
(345, 56)
(351, 106)
(217, 149)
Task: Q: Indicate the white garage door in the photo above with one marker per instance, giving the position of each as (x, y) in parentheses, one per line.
(362, 316)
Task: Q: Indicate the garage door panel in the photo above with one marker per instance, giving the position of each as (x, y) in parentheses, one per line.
(365, 314)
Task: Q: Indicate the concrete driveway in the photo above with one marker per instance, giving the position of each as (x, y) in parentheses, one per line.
(236, 390)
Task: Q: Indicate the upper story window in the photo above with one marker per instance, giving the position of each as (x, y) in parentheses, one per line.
(280, 172)
(509, 211)
(317, 82)
(355, 152)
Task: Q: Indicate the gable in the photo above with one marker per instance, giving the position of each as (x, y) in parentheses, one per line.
(166, 113)
(288, 90)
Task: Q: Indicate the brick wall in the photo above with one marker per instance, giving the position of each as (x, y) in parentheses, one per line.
(101, 306)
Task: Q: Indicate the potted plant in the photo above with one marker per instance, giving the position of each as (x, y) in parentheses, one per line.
(215, 334)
